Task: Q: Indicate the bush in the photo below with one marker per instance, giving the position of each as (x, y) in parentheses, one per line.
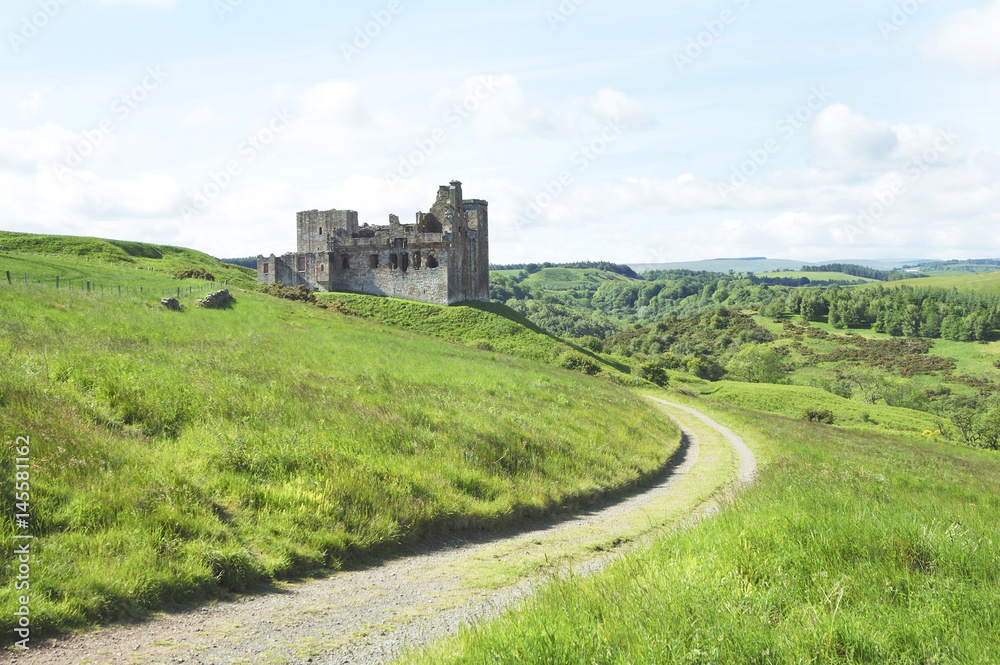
(194, 273)
(302, 293)
(654, 373)
(579, 362)
(591, 343)
(814, 415)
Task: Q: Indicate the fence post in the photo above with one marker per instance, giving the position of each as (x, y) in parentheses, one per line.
(178, 292)
(119, 289)
(88, 286)
(9, 280)
(25, 279)
(57, 281)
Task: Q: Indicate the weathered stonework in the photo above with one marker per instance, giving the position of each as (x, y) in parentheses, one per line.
(443, 258)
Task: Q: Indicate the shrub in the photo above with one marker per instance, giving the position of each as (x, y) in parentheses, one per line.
(577, 361)
(815, 415)
(654, 373)
(302, 293)
(194, 273)
(591, 343)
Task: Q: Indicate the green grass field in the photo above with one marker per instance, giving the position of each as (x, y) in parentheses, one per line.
(485, 326)
(818, 276)
(850, 548)
(178, 456)
(108, 264)
(983, 282)
(792, 402)
(567, 279)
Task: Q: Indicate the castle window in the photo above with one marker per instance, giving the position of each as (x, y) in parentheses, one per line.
(373, 261)
(302, 264)
(345, 262)
(416, 260)
(267, 268)
(432, 260)
(394, 261)
(404, 262)
(321, 230)
(321, 269)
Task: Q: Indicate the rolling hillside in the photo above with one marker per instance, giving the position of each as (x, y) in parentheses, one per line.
(180, 456)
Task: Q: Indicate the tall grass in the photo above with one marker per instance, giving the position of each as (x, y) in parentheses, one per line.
(851, 548)
(181, 455)
(486, 326)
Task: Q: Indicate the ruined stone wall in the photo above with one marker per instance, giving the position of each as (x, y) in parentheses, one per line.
(442, 259)
(401, 277)
(316, 230)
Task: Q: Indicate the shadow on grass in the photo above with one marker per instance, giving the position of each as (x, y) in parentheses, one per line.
(432, 537)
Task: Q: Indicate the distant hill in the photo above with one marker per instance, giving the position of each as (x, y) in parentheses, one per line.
(759, 265)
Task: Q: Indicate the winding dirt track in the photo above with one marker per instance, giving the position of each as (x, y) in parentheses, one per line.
(373, 615)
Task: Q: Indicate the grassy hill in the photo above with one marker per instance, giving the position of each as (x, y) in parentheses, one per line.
(988, 282)
(485, 326)
(849, 549)
(818, 276)
(108, 263)
(566, 279)
(793, 401)
(178, 456)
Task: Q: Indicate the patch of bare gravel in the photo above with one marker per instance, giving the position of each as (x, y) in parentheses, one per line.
(371, 616)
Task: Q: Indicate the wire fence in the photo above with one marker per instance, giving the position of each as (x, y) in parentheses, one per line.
(85, 285)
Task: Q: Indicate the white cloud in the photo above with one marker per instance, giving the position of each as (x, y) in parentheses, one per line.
(851, 139)
(332, 120)
(858, 146)
(495, 106)
(29, 148)
(610, 104)
(969, 38)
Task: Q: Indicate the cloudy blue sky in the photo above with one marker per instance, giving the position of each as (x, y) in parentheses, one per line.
(630, 131)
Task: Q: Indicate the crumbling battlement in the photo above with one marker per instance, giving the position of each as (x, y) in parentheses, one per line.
(442, 258)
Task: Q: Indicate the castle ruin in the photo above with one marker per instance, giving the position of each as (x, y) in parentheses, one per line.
(442, 259)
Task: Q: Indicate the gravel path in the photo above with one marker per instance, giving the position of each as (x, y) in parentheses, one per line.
(373, 615)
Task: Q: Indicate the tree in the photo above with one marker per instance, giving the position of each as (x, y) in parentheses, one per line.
(756, 363)
(872, 384)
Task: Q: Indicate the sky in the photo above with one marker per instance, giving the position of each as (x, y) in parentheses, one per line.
(629, 131)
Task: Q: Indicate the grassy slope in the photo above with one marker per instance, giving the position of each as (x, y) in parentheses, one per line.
(792, 401)
(849, 549)
(983, 282)
(487, 326)
(818, 276)
(564, 279)
(108, 263)
(176, 455)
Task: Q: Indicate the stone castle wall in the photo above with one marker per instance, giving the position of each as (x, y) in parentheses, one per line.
(443, 258)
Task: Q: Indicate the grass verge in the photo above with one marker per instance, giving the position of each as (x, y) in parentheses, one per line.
(851, 548)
